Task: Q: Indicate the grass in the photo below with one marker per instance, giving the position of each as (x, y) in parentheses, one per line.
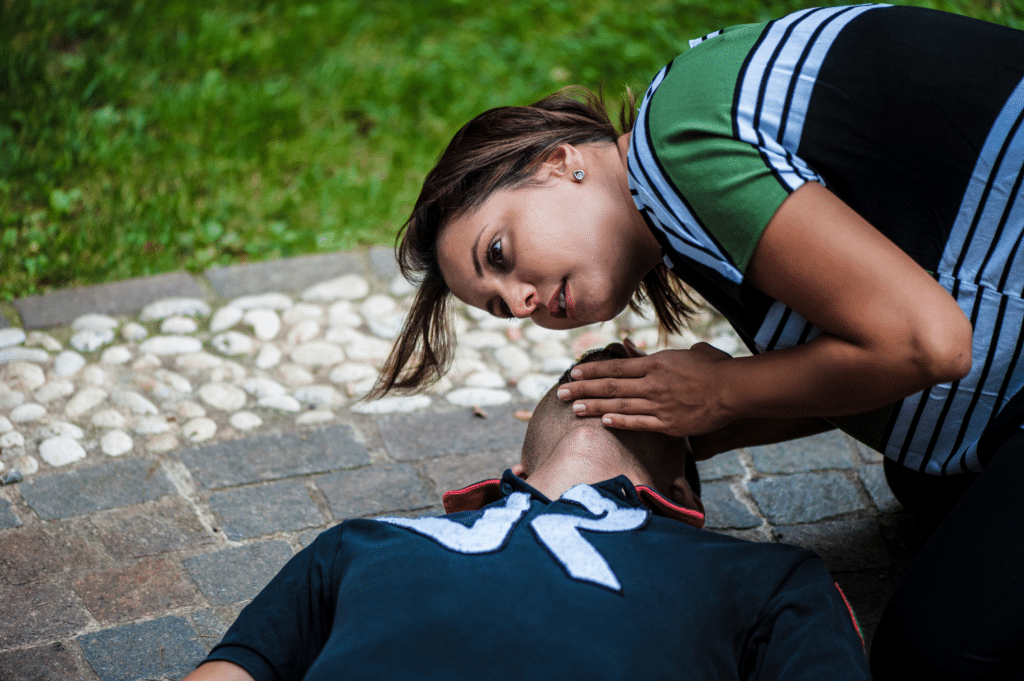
(144, 136)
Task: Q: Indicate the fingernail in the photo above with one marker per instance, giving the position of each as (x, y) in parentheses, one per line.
(563, 393)
(606, 420)
(579, 407)
(576, 373)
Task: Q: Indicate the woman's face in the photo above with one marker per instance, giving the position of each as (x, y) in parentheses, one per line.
(564, 253)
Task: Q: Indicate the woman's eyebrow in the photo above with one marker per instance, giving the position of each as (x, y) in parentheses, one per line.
(476, 260)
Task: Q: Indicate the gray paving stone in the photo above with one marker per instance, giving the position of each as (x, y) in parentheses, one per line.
(168, 646)
(8, 518)
(306, 537)
(412, 437)
(58, 660)
(270, 457)
(213, 623)
(819, 452)
(462, 470)
(723, 510)
(35, 613)
(169, 524)
(382, 262)
(287, 275)
(721, 466)
(248, 512)
(846, 545)
(238, 573)
(804, 497)
(36, 553)
(866, 453)
(873, 477)
(119, 298)
(87, 490)
(375, 489)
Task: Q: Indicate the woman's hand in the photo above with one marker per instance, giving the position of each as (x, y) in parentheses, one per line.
(675, 392)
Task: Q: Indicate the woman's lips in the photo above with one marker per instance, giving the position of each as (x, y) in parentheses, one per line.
(554, 305)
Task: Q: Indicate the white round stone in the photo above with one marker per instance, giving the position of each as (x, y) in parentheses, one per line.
(400, 287)
(171, 345)
(198, 361)
(151, 425)
(133, 332)
(465, 366)
(28, 412)
(347, 287)
(268, 357)
(44, 340)
(147, 362)
(10, 337)
(478, 397)
(272, 301)
(171, 307)
(478, 340)
(21, 354)
(364, 386)
(90, 340)
(347, 372)
(300, 312)
(295, 375)
(116, 443)
(343, 335)
(537, 334)
(62, 429)
(23, 375)
(534, 386)
(342, 315)
(386, 327)
(200, 429)
(27, 464)
(514, 360)
(393, 405)
(266, 324)
(263, 387)
(225, 318)
(190, 410)
(245, 420)
(178, 325)
(118, 354)
(162, 443)
(12, 439)
(60, 451)
(178, 382)
(233, 343)
(133, 401)
(108, 418)
(93, 375)
(318, 396)
(228, 372)
(84, 400)
(285, 403)
(5, 425)
(485, 379)
(377, 306)
(368, 350)
(315, 417)
(556, 365)
(223, 396)
(303, 332)
(549, 348)
(9, 399)
(317, 354)
(94, 322)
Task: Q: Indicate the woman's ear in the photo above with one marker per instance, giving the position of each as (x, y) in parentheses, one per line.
(680, 493)
(561, 163)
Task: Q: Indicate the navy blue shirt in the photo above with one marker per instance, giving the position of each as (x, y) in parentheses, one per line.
(593, 585)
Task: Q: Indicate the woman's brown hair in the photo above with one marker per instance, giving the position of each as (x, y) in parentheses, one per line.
(499, 149)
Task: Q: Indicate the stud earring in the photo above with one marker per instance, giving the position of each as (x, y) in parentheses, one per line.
(579, 174)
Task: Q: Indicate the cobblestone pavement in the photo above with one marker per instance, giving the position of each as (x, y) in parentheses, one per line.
(167, 443)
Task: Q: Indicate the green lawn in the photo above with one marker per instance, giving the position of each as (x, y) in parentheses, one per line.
(139, 137)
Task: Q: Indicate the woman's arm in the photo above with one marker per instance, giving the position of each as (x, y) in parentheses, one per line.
(890, 330)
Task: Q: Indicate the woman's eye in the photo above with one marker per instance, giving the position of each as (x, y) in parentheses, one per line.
(495, 255)
(503, 310)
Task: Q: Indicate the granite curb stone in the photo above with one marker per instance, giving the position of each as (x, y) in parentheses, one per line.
(8, 518)
(830, 450)
(168, 524)
(375, 490)
(102, 487)
(34, 613)
(723, 510)
(58, 660)
(166, 646)
(290, 274)
(413, 437)
(254, 511)
(804, 497)
(237, 574)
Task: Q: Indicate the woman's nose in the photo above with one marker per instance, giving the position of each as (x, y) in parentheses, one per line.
(523, 301)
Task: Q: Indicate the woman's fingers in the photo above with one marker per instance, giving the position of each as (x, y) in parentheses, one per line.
(611, 368)
(633, 422)
(624, 405)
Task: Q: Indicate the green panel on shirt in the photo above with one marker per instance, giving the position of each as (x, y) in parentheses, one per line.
(725, 181)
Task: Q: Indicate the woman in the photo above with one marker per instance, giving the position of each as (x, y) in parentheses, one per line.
(844, 185)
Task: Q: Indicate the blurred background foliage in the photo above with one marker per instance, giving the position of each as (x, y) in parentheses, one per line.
(144, 136)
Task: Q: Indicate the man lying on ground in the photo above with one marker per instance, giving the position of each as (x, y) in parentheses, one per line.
(588, 562)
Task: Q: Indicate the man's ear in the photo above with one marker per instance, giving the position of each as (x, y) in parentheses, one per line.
(519, 470)
(680, 493)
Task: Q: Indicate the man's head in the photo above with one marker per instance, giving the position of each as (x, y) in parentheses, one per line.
(561, 449)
